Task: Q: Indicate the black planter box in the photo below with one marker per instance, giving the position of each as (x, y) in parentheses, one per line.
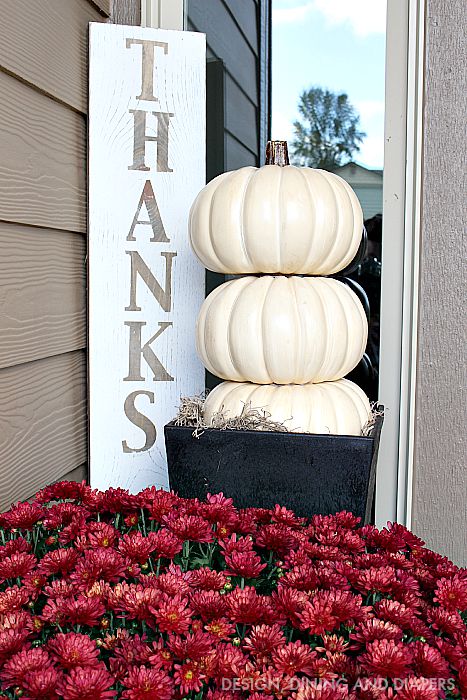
(307, 473)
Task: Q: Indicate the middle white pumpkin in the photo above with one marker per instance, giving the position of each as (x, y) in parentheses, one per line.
(281, 330)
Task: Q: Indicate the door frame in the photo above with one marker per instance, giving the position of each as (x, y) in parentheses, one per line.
(405, 47)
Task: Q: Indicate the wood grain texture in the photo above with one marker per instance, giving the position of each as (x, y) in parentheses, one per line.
(104, 5)
(440, 481)
(126, 12)
(227, 42)
(42, 423)
(43, 163)
(42, 293)
(44, 43)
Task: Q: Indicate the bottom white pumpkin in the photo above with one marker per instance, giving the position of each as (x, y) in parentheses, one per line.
(336, 408)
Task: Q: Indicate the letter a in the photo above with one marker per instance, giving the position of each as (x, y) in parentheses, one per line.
(149, 199)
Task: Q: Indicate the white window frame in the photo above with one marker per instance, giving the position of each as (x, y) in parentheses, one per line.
(163, 14)
(400, 256)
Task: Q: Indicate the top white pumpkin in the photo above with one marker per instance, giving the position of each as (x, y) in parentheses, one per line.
(275, 219)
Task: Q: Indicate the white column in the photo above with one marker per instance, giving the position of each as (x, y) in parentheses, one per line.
(163, 14)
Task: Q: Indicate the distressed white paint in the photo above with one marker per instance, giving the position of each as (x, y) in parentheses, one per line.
(166, 14)
(114, 193)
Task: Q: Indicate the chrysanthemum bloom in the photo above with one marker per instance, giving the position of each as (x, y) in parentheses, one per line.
(16, 566)
(206, 579)
(236, 544)
(138, 602)
(387, 658)
(246, 606)
(280, 514)
(99, 564)
(209, 605)
(451, 593)
(136, 547)
(193, 646)
(22, 516)
(61, 514)
(166, 544)
(244, 564)
(99, 535)
(72, 649)
(13, 598)
(188, 677)
(59, 588)
(278, 538)
(41, 684)
(369, 630)
(322, 690)
(118, 500)
(428, 661)
(262, 640)
(449, 622)
(418, 689)
(12, 641)
(89, 683)
(147, 684)
(294, 658)
(221, 628)
(189, 527)
(333, 644)
(34, 583)
(173, 615)
(171, 583)
(302, 578)
(82, 610)
(58, 561)
(229, 662)
(317, 617)
(18, 665)
(395, 612)
(289, 603)
(375, 579)
(219, 510)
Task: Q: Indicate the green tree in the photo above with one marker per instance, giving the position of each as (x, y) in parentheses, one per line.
(327, 134)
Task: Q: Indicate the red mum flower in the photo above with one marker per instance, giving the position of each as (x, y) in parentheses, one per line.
(278, 538)
(262, 640)
(173, 615)
(188, 677)
(118, 500)
(190, 527)
(428, 662)
(147, 684)
(72, 650)
(387, 658)
(393, 611)
(317, 617)
(206, 579)
(136, 547)
(193, 646)
(172, 583)
(220, 628)
(418, 689)
(13, 598)
(445, 621)
(370, 630)
(248, 607)
(16, 566)
(62, 514)
(100, 535)
(23, 516)
(166, 544)
(219, 510)
(98, 564)
(302, 578)
(82, 610)
(138, 602)
(229, 662)
(375, 579)
(23, 662)
(322, 690)
(15, 620)
(41, 684)
(286, 517)
(244, 564)
(59, 561)
(294, 658)
(290, 603)
(333, 644)
(451, 593)
(87, 684)
(34, 583)
(11, 641)
(61, 490)
(209, 604)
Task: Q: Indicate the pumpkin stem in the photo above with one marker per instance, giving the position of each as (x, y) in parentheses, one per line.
(277, 153)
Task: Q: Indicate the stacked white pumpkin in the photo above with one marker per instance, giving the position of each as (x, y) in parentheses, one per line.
(284, 335)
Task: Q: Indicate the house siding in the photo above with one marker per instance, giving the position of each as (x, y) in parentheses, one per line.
(440, 477)
(43, 226)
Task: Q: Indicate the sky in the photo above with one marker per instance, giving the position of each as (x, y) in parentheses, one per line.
(335, 44)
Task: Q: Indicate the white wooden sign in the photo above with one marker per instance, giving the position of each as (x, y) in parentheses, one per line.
(146, 165)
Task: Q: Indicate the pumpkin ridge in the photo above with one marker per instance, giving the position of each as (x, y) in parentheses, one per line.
(338, 183)
(299, 363)
(242, 221)
(263, 335)
(312, 231)
(228, 326)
